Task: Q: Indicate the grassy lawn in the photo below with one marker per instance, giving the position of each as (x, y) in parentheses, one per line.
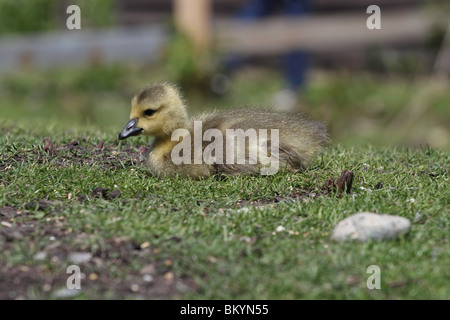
(220, 238)
(215, 238)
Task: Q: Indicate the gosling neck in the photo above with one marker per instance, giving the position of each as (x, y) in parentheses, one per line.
(164, 143)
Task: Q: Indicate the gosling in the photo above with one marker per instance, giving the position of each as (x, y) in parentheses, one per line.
(234, 142)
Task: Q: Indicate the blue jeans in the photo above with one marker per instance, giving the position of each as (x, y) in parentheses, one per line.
(295, 63)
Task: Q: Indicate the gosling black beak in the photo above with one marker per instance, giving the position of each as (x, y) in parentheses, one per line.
(130, 130)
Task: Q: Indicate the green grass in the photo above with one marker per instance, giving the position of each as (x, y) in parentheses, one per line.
(217, 238)
(196, 229)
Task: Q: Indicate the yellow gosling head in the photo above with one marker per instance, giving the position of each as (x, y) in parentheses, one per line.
(156, 111)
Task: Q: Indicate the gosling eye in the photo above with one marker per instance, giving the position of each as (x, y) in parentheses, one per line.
(149, 112)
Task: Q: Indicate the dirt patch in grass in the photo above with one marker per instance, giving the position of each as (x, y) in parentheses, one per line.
(115, 268)
(338, 186)
(105, 271)
(76, 152)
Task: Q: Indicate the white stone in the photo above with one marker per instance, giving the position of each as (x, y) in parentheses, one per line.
(65, 293)
(80, 257)
(147, 278)
(370, 226)
(41, 255)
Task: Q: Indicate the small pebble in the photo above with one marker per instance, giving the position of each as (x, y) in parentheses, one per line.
(134, 287)
(46, 287)
(370, 226)
(418, 217)
(145, 245)
(93, 276)
(80, 257)
(65, 293)
(147, 278)
(41, 255)
(168, 276)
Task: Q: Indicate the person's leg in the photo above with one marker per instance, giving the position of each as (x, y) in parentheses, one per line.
(255, 9)
(295, 68)
(296, 62)
(252, 10)
(296, 7)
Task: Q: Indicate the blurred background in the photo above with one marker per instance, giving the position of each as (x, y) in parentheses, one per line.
(382, 87)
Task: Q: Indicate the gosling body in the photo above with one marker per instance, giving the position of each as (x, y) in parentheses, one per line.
(159, 110)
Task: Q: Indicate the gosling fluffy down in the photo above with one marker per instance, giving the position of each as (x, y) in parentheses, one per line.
(160, 109)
